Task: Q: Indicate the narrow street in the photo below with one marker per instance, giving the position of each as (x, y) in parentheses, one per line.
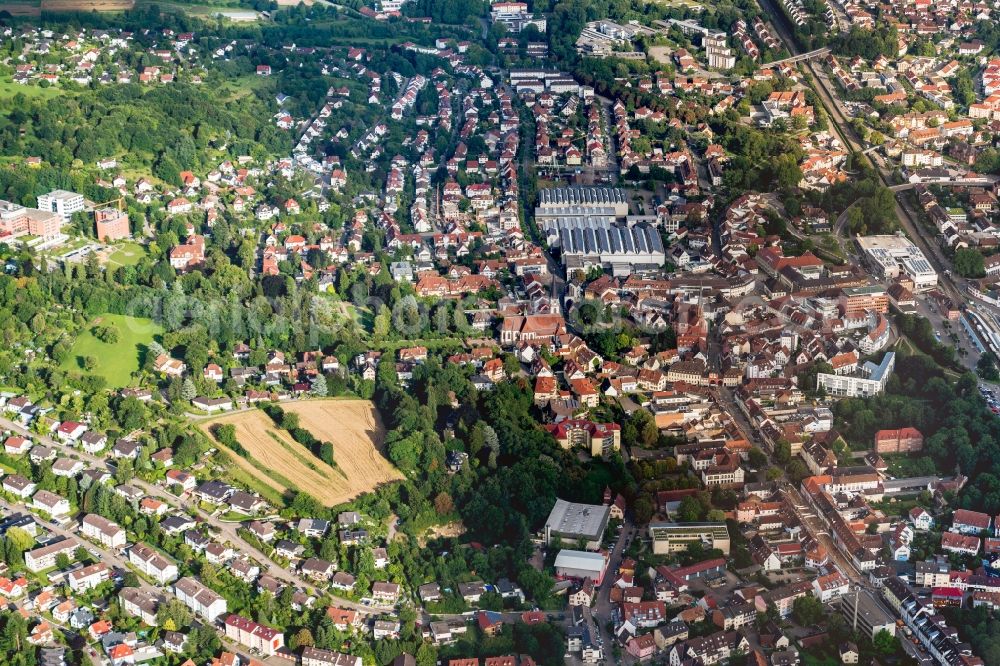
(601, 612)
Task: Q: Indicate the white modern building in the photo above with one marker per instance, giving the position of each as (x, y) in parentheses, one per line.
(870, 379)
(890, 256)
(62, 202)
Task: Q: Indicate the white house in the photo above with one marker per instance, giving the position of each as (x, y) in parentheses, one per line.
(151, 563)
(102, 530)
(50, 503)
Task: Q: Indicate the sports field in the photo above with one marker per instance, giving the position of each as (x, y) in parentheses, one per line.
(114, 361)
(277, 461)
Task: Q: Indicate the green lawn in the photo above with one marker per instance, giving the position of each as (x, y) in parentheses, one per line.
(201, 9)
(127, 254)
(115, 362)
(31, 91)
(242, 86)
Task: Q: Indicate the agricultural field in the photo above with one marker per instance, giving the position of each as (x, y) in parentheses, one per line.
(22, 7)
(87, 5)
(227, 9)
(114, 361)
(279, 462)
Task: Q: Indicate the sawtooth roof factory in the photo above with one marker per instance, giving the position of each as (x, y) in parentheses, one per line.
(583, 223)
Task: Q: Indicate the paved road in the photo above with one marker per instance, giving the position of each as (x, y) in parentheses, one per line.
(601, 612)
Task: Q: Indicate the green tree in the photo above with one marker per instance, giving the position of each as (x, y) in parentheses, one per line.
(885, 643)
(807, 610)
(124, 470)
(986, 367)
(20, 538)
(969, 263)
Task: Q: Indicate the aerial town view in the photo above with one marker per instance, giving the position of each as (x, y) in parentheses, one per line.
(510, 333)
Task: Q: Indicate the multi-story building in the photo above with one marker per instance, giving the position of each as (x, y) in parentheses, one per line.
(102, 530)
(88, 578)
(903, 440)
(200, 599)
(61, 202)
(856, 302)
(17, 221)
(927, 625)
(43, 558)
(152, 563)
(111, 224)
(312, 656)
(599, 438)
(264, 639)
(868, 381)
(674, 537)
(139, 604)
(891, 256)
(864, 614)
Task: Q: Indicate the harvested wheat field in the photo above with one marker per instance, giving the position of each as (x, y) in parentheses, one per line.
(356, 432)
(87, 5)
(352, 426)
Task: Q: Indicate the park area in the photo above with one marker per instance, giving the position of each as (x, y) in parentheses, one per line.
(124, 254)
(280, 463)
(115, 360)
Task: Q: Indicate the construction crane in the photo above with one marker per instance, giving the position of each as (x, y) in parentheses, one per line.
(119, 204)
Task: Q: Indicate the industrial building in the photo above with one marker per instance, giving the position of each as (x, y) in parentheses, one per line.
(580, 565)
(674, 537)
(622, 249)
(890, 256)
(572, 522)
(560, 198)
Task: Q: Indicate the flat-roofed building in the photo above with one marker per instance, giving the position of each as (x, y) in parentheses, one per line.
(572, 522)
(580, 565)
(857, 301)
(864, 614)
(61, 202)
(111, 224)
(674, 537)
(869, 380)
(890, 256)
